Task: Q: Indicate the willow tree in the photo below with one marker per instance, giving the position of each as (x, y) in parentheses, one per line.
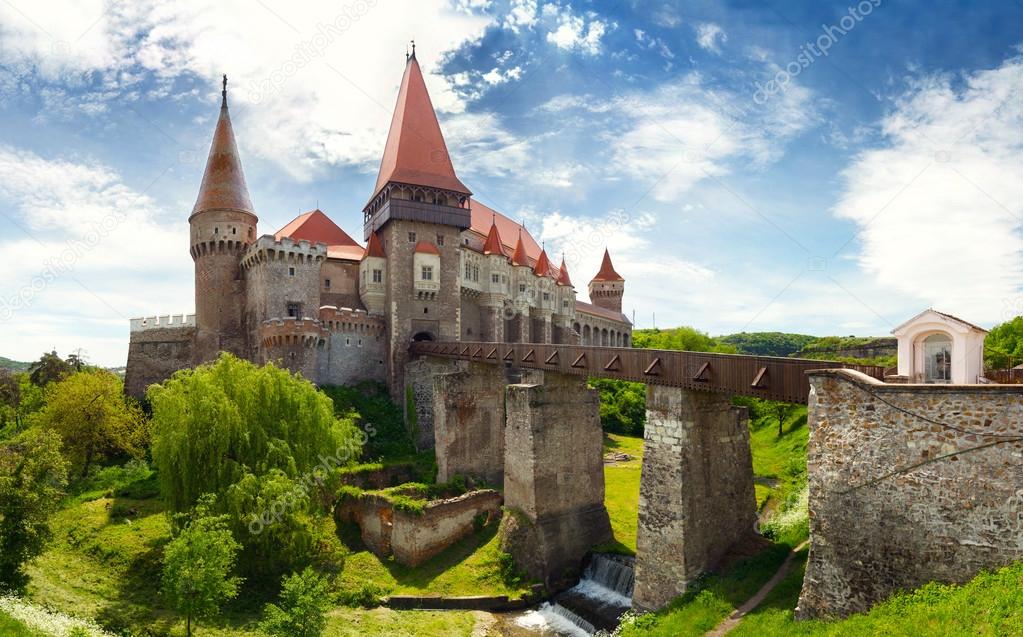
(217, 423)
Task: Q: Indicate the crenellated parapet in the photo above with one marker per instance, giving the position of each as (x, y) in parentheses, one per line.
(162, 322)
(291, 332)
(346, 319)
(267, 249)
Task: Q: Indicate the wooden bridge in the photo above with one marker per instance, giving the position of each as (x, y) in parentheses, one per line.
(767, 377)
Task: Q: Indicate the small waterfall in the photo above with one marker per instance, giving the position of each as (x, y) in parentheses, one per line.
(595, 603)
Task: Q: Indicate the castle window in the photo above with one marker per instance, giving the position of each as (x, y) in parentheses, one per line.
(522, 288)
(465, 241)
(291, 271)
(360, 343)
(294, 310)
(546, 296)
(411, 237)
(468, 271)
(427, 273)
(326, 283)
(378, 276)
(476, 273)
(234, 230)
(348, 341)
(495, 278)
(440, 239)
(564, 303)
(216, 230)
(426, 310)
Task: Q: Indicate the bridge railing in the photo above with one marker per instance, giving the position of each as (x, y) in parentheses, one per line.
(767, 377)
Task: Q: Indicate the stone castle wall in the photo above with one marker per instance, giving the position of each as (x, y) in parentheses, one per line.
(908, 484)
(155, 353)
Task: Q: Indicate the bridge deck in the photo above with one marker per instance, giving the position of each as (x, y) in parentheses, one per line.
(768, 377)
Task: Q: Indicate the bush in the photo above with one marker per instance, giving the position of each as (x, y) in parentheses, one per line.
(369, 404)
(304, 600)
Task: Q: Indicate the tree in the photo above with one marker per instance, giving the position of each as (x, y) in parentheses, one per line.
(33, 475)
(197, 564)
(1003, 346)
(781, 410)
(47, 369)
(304, 600)
(89, 411)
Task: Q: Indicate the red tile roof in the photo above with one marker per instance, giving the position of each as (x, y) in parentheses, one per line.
(519, 257)
(563, 273)
(493, 244)
(543, 265)
(223, 182)
(607, 271)
(427, 248)
(415, 152)
(349, 253)
(483, 217)
(595, 310)
(316, 227)
(373, 248)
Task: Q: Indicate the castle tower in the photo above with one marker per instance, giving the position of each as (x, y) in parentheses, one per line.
(607, 288)
(222, 225)
(372, 276)
(419, 209)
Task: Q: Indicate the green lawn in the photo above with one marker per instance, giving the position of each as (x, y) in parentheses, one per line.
(10, 627)
(621, 483)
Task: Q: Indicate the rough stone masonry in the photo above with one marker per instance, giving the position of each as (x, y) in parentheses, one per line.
(908, 484)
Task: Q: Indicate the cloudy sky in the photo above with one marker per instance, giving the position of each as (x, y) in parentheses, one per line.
(817, 167)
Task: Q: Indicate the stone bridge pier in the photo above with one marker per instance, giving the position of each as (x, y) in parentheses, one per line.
(553, 477)
(696, 492)
(468, 423)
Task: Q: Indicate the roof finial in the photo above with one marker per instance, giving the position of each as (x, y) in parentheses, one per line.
(224, 92)
(413, 48)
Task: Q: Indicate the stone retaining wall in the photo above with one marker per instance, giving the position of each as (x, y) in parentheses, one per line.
(908, 484)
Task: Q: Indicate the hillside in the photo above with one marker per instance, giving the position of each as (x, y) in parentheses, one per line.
(16, 366)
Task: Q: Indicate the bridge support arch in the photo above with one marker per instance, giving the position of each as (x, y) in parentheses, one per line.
(553, 477)
(696, 491)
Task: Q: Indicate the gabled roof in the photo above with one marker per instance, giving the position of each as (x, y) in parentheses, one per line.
(563, 274)
(493, 244)
(483, 217)
(348, 253)
(543, 265)
(942, 317)
(223, 183)
(519, 257)
(607, 271)
(374, 248)
(603, 312)
(415, 152)
(315, 227)
(427, 248)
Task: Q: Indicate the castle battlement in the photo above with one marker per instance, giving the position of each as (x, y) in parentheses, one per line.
(269, 248)
(346, 319)
(162, 322)
(306, 331)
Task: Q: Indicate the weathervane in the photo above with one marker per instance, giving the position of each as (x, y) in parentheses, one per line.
(224, 91)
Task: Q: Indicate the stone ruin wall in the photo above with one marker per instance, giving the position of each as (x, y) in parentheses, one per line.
(156, 350)
(908, 484)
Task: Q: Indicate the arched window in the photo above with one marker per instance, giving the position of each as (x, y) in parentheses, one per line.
(586, 335)
(937, 351)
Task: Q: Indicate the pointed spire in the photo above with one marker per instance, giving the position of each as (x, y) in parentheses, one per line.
(519, 256)
(223, 183)
(415, 152)
(374, 248)
(493, 244)
(563, 273)
(607, 271)
(543, 265)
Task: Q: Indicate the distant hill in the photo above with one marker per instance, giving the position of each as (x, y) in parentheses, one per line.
(17, 366)
(768, 343)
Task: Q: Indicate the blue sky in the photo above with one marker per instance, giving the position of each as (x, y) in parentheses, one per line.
(819, 167)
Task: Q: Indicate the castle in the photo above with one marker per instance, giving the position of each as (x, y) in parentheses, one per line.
(436, 266)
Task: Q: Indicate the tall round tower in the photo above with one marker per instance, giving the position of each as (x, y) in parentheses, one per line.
(222, 226)
(607, 288)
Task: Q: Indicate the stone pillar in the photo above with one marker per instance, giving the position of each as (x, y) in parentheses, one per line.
(553, 478)
(418, 402)
(540, 322)
(696, 492)
(491, 324)
(468, 423)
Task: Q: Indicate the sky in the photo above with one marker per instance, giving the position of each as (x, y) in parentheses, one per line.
(828, 168)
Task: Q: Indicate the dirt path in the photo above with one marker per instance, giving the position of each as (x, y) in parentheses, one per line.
(733, 620)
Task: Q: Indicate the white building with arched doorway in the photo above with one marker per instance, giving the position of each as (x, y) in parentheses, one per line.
(940, 348)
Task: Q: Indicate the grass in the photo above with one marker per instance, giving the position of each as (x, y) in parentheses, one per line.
(10, 627)
(621, 484)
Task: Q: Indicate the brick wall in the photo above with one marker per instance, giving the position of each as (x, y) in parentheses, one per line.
(897, 497)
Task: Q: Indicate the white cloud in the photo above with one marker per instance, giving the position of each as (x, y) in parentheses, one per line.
(710, 36)
(937, 207)
(89, 253)
(522, 14)
(576, 32)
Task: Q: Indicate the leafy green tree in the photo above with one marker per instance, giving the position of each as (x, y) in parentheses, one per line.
(89, 411)
(369, 404)
(680, 338)
(1003, 346)
(622, 405)
(304, 600)
(768, 343)
(33, 475)
(47, 369)
(197, 564)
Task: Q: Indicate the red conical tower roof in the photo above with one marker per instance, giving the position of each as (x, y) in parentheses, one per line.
(415, 152)
(223, 184)
(543, 265)
(607, 271)
(493, 243)
(373, 248)
(563, 274)
(519, 257)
